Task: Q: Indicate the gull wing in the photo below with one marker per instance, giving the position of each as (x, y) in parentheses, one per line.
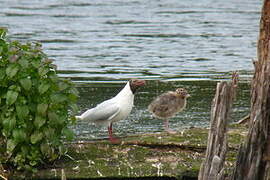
(103, 112)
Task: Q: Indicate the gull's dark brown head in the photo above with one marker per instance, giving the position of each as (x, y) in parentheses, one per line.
(135, 84)
(182, 92)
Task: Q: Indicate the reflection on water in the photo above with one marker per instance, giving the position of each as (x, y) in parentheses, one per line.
(140, 121)
(143, 39)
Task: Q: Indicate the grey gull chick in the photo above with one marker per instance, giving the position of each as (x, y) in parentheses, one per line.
(168, 105)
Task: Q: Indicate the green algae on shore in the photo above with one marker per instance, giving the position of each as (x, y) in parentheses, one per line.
(147, 155)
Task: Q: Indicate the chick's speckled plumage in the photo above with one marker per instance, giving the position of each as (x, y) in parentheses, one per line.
(168, 104)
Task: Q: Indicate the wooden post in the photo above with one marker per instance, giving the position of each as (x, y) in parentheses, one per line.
(212, 167)
(253, 161)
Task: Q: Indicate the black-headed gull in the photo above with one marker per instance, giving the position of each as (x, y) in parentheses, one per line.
(168, 104)
(114, 109)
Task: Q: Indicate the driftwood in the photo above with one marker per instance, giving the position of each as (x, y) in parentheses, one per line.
(217, 145)
(253, 161)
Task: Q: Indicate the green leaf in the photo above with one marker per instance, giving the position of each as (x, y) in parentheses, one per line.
(35, 137)
(74, 108)
(2, 73)
(33, 163)
(58, 98)
(22, 111)
(42, 71)
(24, 63)
(53, 76)
(19, 160)
(72, 97)
(25, 149)
(11, 97)
(68, 134)
(43, 87)
(63, 85)
(3, 32)
(39, 121)
(49, 132)
(36, 63)
(52, 116)
(26, 83)
(19, 135)
(74, 91)
(16, 135)
(12, 70)
(42, 108)
(11, 144)
(55, 119)
(12, 87)
(9, 123)
(45, 149)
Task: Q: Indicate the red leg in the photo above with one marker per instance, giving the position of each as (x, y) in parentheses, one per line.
(111, 138)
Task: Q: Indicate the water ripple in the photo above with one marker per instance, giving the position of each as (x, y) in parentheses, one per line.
(169, 40)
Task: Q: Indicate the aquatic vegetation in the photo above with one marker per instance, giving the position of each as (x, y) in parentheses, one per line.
(35, 106)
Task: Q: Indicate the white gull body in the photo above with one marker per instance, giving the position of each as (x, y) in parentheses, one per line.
(114, 109)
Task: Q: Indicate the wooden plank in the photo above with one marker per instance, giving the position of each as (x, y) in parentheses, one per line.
(213, 166)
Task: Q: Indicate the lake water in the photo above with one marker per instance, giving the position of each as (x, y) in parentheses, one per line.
(172, 43)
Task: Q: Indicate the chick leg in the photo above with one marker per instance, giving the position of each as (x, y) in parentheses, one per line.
(166, 127)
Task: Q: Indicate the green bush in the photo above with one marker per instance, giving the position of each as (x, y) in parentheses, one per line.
(35, 106)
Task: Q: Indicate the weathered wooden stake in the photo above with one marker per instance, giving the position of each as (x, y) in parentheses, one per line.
(212, 167)
(253, 161)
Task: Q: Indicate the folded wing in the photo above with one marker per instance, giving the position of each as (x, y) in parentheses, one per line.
(103, 112)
